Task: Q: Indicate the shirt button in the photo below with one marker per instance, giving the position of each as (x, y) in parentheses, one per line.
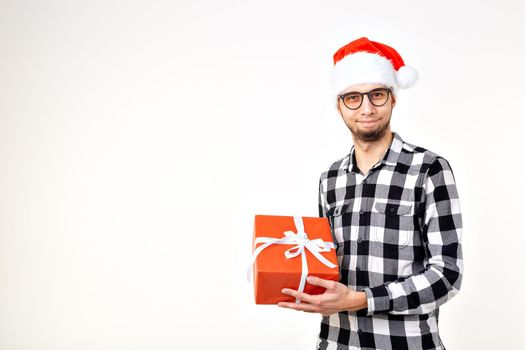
(359, 331)
(357, 268)
(359, 240)
(361, 211)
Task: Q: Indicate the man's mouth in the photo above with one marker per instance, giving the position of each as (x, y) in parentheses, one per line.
(368, 122)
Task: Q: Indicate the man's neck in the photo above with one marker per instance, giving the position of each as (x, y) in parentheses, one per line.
(367, 153)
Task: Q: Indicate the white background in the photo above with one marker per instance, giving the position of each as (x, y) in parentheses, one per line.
(138, 139)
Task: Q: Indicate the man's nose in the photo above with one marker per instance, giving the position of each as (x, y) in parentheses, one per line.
(367, 107)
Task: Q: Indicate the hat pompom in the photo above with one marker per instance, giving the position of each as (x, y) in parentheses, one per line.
(406, 77)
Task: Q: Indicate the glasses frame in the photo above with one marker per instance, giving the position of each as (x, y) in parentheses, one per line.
(388, 92)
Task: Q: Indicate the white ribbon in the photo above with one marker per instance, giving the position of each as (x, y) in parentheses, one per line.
(301, 241)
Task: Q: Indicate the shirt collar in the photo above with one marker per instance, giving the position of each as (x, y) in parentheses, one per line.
(390, 158)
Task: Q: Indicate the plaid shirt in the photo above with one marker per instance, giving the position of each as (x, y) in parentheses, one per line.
(398, 235)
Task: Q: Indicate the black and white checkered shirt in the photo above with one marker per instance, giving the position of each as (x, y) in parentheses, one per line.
(398, 234)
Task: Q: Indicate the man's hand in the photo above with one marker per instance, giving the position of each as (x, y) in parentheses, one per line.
(337, 297)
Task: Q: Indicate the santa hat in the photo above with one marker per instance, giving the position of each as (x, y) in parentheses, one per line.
(365, 61)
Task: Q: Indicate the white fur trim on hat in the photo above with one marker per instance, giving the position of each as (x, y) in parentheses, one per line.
(363, 67)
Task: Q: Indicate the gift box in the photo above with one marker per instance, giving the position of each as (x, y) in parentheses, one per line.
(287, 249)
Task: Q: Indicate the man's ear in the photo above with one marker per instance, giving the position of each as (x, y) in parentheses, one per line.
(339, 107)
(393, 101)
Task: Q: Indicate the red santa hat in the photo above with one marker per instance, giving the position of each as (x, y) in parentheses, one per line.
(365, 61)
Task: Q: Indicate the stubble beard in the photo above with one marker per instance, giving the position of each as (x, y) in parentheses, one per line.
(372, 135)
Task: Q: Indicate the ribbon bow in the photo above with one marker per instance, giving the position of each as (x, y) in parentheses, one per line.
(301, 242)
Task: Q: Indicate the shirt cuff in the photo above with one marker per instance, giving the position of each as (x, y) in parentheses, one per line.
(378, 299)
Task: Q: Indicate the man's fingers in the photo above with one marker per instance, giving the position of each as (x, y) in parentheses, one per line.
(316, 281)
(296, 294)
(299, 307)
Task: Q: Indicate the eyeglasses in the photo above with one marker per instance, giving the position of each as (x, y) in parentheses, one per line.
(354, 99)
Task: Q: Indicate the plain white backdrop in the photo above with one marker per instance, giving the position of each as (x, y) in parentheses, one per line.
(138, 139)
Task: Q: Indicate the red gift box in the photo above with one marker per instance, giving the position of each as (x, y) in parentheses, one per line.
(285, 247)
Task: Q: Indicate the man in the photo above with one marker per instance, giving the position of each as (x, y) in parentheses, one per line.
(394, 212)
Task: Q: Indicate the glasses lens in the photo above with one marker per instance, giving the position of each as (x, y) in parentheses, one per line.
(378, 97)
(352, 100)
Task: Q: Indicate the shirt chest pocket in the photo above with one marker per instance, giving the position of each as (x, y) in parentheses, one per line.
(341, 218)
(392, 225)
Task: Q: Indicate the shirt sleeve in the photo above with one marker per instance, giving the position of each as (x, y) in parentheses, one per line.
(322, 199)
(441, 233)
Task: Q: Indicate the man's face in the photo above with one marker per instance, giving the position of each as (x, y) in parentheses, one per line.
(367, 123)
